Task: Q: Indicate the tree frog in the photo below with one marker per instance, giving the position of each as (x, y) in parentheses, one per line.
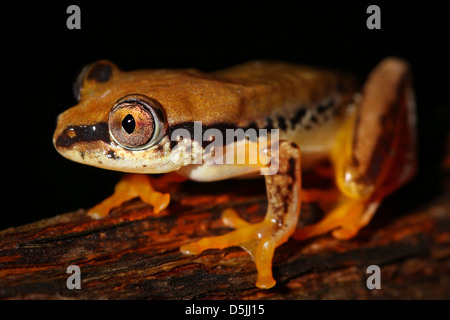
(126, 121)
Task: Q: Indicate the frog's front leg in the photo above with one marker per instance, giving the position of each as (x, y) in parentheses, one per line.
(375, 152)
(261, 239)
(132, 186)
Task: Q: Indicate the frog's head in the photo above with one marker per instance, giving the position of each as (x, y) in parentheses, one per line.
(115, 124)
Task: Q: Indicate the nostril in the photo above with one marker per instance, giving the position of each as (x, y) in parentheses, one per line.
(66, 138)
(70, 132)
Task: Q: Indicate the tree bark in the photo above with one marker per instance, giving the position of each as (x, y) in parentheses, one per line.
(132, 254)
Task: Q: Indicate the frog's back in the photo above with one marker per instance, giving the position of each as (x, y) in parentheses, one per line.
(287, 96)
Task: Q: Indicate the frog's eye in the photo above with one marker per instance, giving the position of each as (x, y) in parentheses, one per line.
(136, 122)
(99, 72)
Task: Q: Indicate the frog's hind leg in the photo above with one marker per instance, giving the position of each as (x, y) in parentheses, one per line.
(261, 239)
(375, 152)
(133, 186)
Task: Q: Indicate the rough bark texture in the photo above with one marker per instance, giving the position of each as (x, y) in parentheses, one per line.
(134, 255)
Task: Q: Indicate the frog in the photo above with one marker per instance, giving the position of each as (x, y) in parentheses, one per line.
(359, 134)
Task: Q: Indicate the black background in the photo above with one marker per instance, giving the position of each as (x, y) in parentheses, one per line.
(41, 58)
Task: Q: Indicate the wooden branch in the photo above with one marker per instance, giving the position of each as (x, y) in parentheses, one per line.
(134, 255)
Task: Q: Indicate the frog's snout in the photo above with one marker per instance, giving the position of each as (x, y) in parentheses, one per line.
(81, 134)
(65, 139)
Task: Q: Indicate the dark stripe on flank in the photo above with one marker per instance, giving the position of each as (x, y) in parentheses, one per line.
(189, 126)
(322, 108)
(221, 126)
(85, 133)
(282, 123)
(298, 117)
(269, 124)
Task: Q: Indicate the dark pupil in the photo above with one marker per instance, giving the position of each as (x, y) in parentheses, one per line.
(128, 124)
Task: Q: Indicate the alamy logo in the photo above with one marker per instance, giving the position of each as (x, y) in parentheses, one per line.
(374, 20)
(74, 20)
(374, 280)
(74, 281)
(250, 147)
